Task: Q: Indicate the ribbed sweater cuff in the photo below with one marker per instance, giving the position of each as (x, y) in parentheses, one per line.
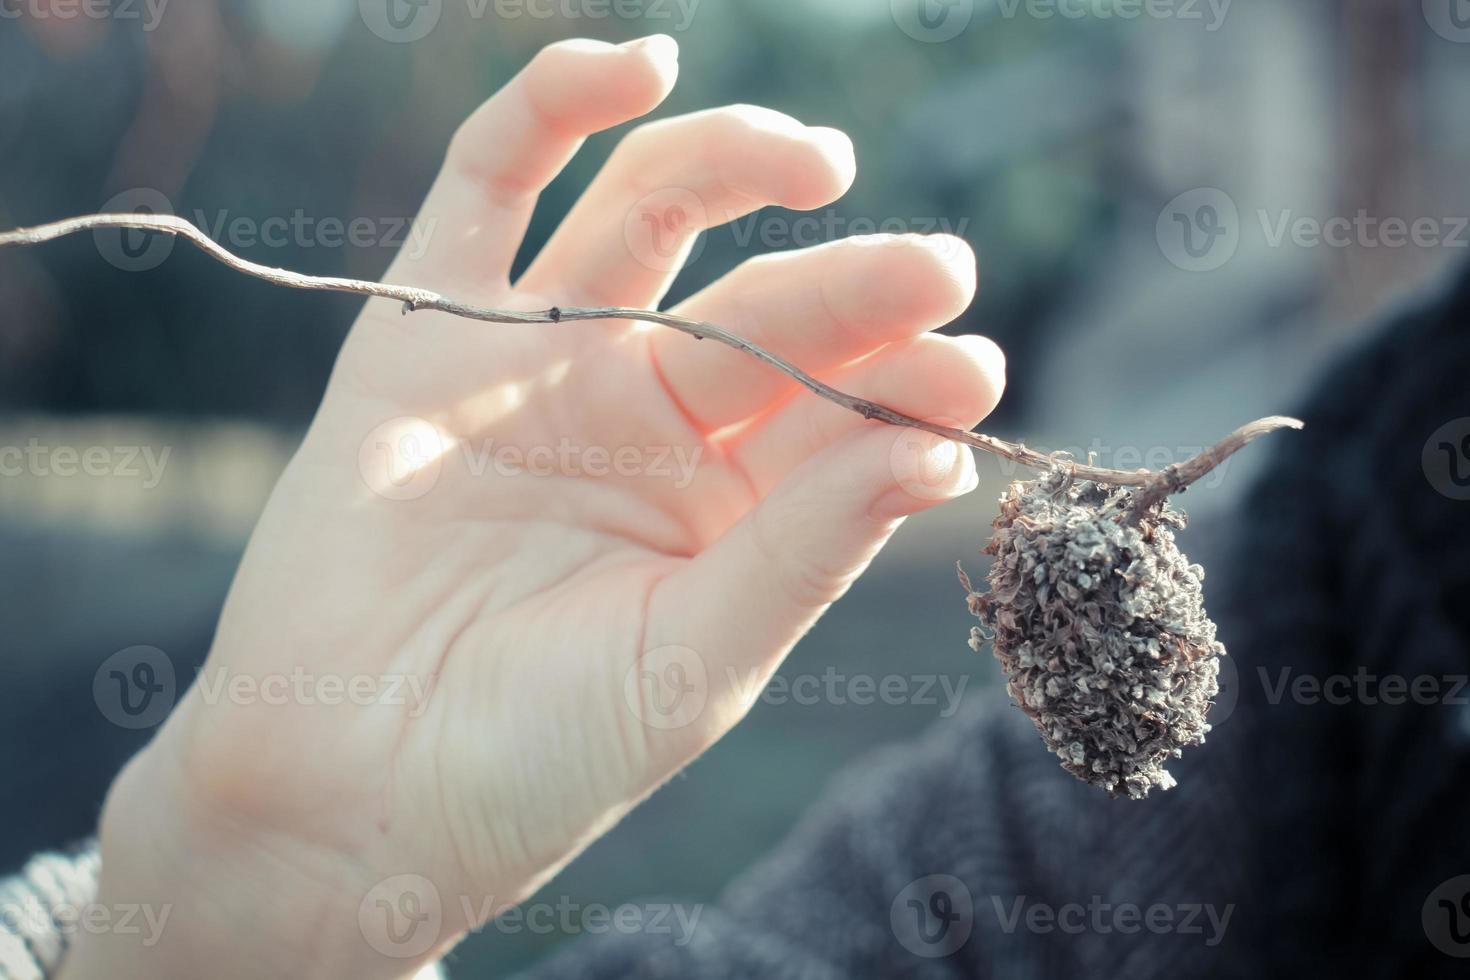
(41, 910)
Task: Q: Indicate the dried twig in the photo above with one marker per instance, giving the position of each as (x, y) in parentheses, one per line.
(1157, 486)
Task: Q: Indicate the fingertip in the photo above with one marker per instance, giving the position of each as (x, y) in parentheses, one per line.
(931, 375)
(583, 86)
(830, 168)
(988, 364)
(658, 47)
(839, 152)
(902, 281)
(924, 470)
(658, 54)
(955, 268)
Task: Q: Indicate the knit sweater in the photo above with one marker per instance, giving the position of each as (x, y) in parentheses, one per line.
(1318, 832)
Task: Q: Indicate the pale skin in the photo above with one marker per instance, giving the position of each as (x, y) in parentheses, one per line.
(532, 605)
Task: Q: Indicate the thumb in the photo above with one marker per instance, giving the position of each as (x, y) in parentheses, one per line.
(744, 602)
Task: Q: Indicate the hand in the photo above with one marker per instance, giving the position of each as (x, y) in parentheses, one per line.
(558, 561)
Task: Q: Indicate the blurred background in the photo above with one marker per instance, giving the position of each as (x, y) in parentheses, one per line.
(1180, 214)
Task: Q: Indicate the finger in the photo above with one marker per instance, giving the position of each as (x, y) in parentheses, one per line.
(626, 239)
(780, 566)
(955, 381)
(818, 308)
(506, 153)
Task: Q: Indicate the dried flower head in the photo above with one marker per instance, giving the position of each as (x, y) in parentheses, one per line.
(1098, 621)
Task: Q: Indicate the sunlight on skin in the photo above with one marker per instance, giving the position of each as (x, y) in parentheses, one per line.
(479, 412)
(400, 453)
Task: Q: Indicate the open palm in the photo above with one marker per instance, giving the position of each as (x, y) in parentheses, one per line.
(558, 561)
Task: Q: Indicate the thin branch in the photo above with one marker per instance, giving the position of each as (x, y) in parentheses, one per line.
(1175, 477)
(1156, 486)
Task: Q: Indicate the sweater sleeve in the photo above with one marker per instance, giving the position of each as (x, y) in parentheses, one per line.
(41, 909)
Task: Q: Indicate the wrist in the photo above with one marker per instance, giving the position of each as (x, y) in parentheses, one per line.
(188, 895)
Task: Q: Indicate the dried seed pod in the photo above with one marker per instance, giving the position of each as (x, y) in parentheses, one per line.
(1098, 621)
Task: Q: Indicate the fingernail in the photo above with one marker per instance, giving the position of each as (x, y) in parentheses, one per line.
(838, 148)
(927, 470)
(660, 46)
